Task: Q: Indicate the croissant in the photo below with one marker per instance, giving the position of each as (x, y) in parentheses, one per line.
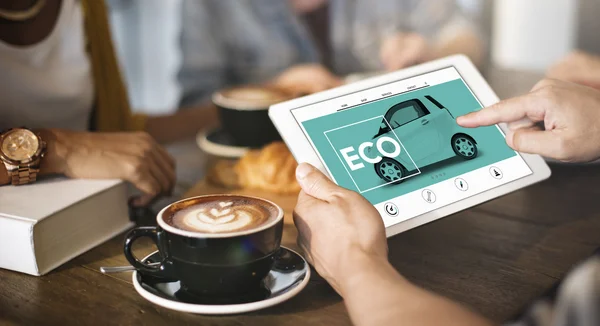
(272, 168)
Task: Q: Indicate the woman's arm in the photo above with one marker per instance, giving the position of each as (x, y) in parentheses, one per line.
(131, 156)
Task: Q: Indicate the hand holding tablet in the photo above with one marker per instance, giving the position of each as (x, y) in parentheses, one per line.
(394, 139)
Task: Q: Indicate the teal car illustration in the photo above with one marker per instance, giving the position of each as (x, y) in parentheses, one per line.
(429, 137)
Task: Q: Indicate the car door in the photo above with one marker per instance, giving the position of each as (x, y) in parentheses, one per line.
(410, 122)
(446, 126)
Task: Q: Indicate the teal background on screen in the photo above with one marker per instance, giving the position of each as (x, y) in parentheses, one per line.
(364, 178)
(454, 95)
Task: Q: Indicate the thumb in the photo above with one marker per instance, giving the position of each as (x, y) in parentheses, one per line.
(314, 183)
(535, 141)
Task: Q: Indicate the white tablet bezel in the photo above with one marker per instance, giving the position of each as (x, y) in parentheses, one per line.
(302, 150)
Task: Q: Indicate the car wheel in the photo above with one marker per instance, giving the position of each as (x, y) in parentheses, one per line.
(464, 146)
(390, 170)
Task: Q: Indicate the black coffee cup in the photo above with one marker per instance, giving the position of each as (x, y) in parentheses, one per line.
(211, 264)
(244, 114)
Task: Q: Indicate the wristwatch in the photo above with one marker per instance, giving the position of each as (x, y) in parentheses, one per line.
(21, 151)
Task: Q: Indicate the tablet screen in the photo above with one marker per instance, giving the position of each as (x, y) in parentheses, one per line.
(399, 146)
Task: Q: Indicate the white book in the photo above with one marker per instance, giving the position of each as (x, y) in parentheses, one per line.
(46, 224)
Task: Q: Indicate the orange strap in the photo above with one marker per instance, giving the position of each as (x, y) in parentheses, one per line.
(112, 112)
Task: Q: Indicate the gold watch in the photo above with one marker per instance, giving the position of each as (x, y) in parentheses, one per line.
(21, 151)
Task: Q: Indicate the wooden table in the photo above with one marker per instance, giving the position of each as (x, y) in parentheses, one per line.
(495, 258)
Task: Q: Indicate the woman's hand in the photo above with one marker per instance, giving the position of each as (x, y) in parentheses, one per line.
(339, 230)
(134, 157)
(578, 67)
(403, 50)
(306, 79)
(558, 119)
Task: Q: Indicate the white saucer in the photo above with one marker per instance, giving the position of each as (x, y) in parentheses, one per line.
(218, 143)
(281, 284)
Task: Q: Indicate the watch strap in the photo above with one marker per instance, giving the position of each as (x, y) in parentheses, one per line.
(23, 175)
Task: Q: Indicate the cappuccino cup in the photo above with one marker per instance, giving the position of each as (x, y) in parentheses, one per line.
(217, 245)
(244, 115)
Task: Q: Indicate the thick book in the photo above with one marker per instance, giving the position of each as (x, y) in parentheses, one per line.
(46, 224)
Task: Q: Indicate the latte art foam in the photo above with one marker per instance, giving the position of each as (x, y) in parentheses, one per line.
(249, 98)
(222, 216)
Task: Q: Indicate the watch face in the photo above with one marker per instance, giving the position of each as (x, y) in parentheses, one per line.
(20, 144)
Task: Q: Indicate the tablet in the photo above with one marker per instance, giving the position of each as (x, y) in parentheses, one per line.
(394, 139)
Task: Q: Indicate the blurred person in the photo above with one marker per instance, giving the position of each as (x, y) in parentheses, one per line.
(578, 67)
(343, 235)
(303, 45)
(60, 79)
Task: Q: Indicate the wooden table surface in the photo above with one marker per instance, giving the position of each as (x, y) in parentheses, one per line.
(494, 258)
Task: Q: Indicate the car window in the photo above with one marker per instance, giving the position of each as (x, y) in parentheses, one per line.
(401, 114)
(404, 116)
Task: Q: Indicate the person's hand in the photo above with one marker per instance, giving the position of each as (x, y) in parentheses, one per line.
(343, 237)
(402, 50)
(336, 227)
(134, 157)
(306, 79)
(578, 67)
(558, 119)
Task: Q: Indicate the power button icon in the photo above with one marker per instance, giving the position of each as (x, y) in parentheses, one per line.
(391, 209)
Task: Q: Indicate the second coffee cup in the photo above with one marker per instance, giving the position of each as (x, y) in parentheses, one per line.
(218, 245)
(244, 115)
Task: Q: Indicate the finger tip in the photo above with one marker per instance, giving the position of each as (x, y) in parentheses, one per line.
(465, 121)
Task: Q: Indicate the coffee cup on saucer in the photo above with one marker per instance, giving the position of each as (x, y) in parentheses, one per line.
(216, 246)
(244, 114)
